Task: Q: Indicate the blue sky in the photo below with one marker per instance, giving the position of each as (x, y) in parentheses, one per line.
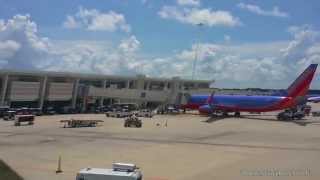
(241, 43)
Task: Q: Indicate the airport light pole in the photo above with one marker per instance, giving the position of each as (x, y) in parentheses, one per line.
(194, 65)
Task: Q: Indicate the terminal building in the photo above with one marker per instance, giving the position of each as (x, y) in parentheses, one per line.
(40, 89)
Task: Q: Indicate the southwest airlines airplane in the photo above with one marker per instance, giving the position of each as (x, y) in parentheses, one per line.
(315, 99)
(241, 103)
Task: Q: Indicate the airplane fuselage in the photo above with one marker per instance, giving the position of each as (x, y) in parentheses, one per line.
(250, 103)
(195, 102)
(243, 103)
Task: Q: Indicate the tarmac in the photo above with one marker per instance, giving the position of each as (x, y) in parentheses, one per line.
(189, 147)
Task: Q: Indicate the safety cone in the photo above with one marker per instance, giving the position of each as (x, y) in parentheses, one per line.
(59, 170)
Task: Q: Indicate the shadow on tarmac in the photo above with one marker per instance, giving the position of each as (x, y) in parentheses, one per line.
(302, 122)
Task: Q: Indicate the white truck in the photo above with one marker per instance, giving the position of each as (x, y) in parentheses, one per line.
(119, 171)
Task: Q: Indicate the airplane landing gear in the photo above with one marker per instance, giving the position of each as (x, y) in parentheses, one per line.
(289, 115)
(219, 114)
(225, 114)
(237, 114)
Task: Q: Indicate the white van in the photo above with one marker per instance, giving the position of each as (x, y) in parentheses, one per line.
(120, 171)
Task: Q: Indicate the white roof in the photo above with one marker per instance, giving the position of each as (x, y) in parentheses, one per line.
(107, 172)
(90, 75)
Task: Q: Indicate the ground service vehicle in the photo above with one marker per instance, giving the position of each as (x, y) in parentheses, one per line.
(35, 111)
(133, 121)
(316, 113)
(50, 111)
(120, 171)
(3, 110)
(73, 123)
(119, 113)
(9, 115)
(129, 106)
(307, 110)
(23, 111)
(24, 118)
(145, 113)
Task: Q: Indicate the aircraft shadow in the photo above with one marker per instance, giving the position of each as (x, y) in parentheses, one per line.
(212, 119)
(302, 122)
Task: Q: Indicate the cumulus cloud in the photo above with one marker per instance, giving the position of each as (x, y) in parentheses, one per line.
(201, 50)
(189, 2)
(20, 46)
(304, 37)
(71, 23)
(97, 57)
(275, 12)
(94, 20)
(8, 48)
(275, 64)
(232, 65)
(129, 45)
(196, 16)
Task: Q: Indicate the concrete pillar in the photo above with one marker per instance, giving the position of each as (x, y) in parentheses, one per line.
(104, 83)
(128, 84)
(140, 81)
(4, 89)
(84, 105)
(75, 93)
(43, 89)
(175, 84)
(165, 86)
(174, 89)
(148, 83)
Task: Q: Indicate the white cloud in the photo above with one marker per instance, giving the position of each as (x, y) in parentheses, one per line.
(130, 45)
(196, 16)
(8, 48)
(20, 44)
(276, 64)
(201, 50)
(71, 23)
(258, 10)
(189, 2)
(232, 65)
(304, 38)
(94, 20)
